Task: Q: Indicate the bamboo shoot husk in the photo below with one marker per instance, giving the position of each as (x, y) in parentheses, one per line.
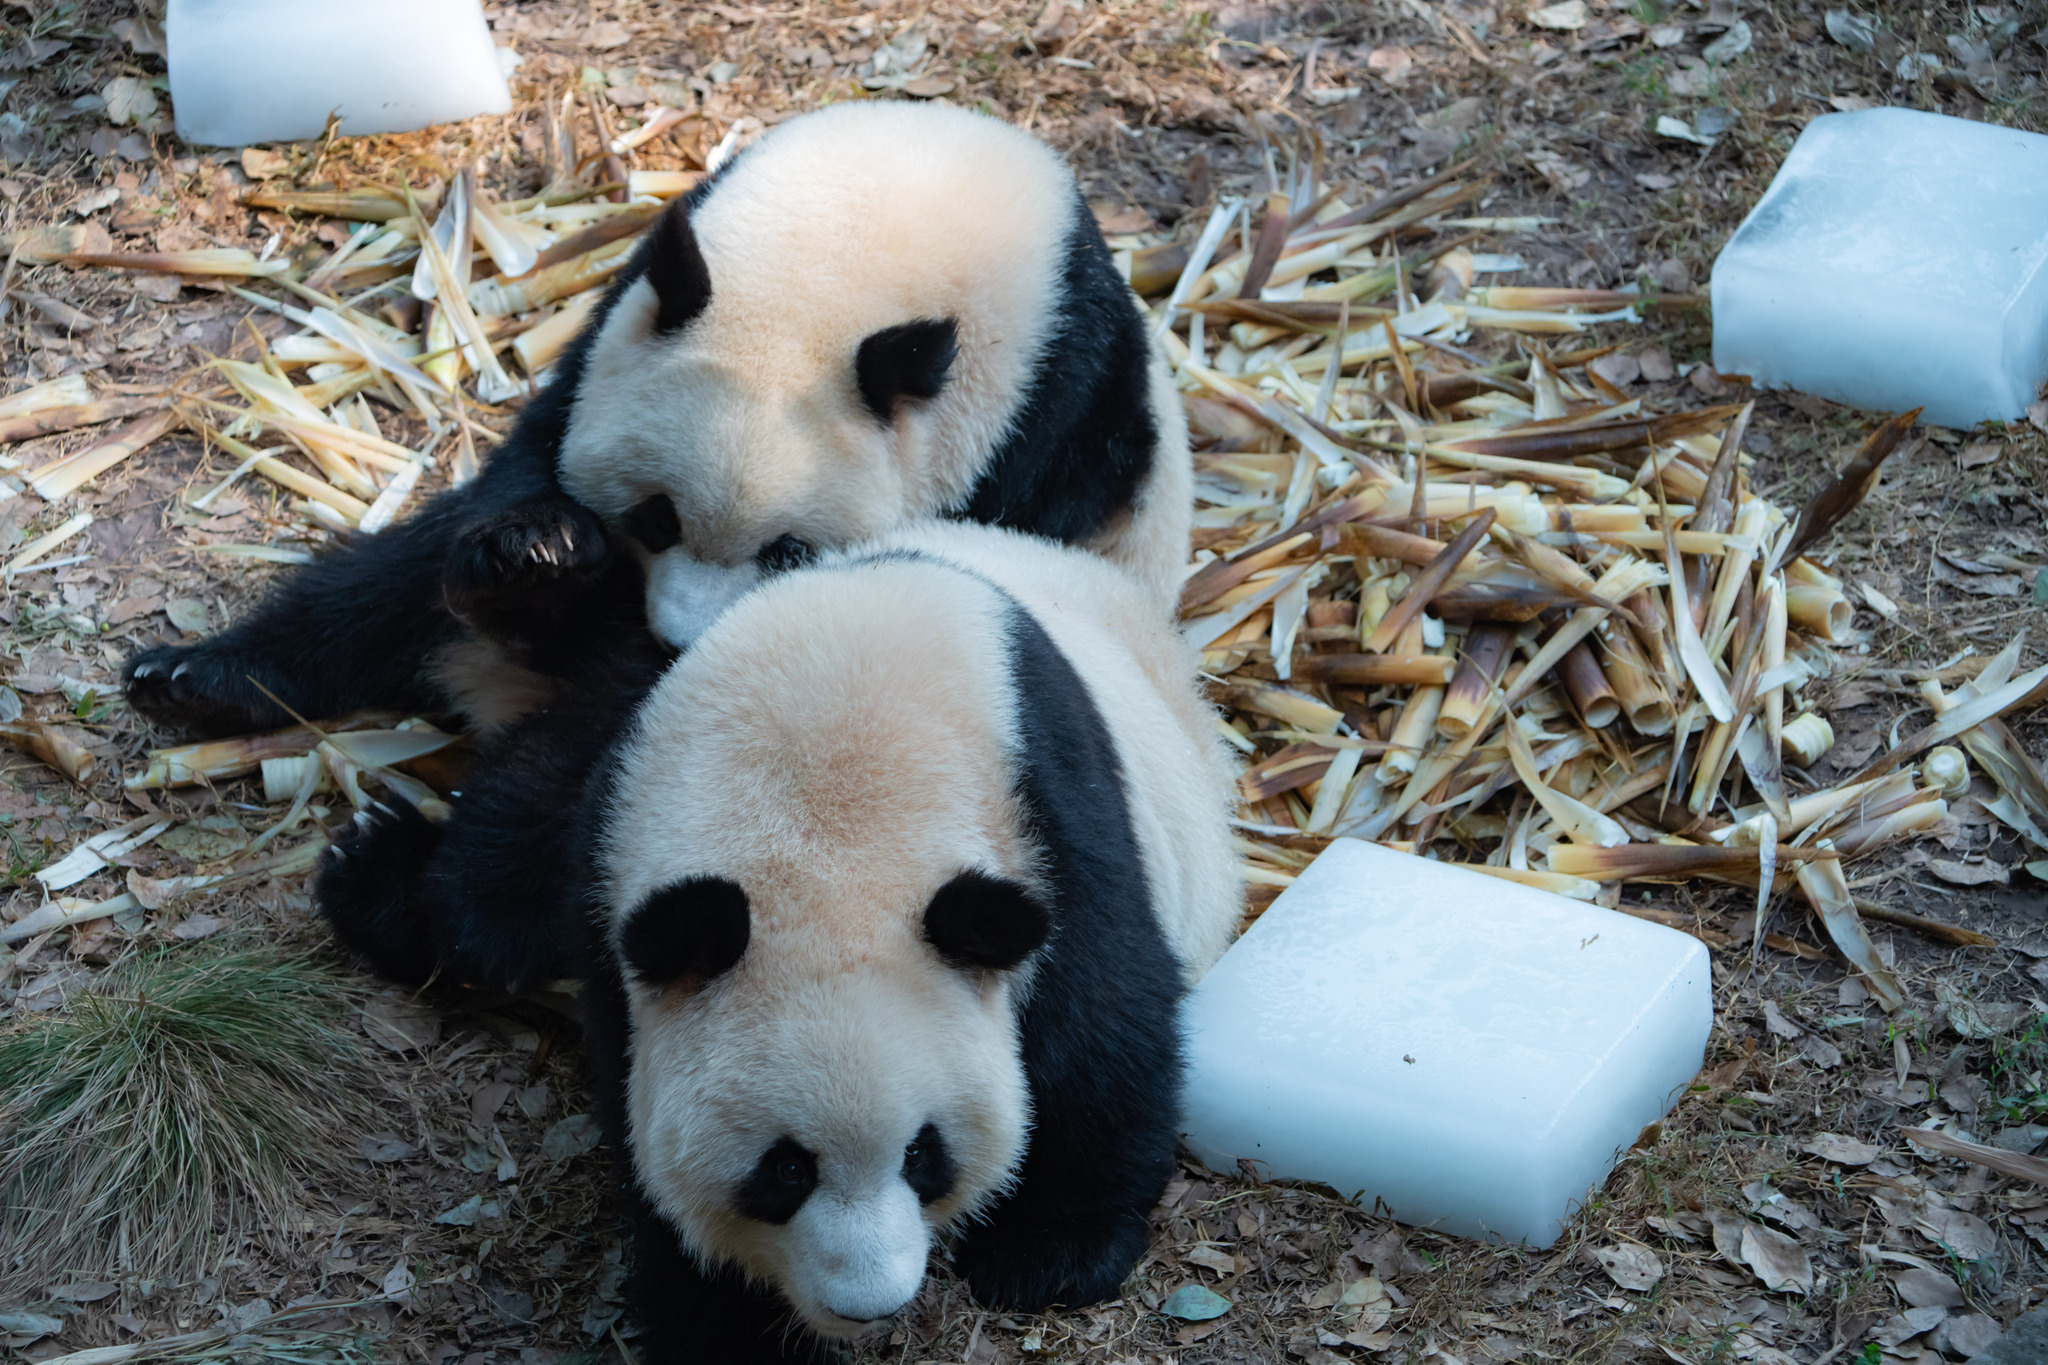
(1827, 891)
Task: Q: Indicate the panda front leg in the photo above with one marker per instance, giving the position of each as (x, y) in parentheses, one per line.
(689, 1314)
(359, 626)
(1105, 1090)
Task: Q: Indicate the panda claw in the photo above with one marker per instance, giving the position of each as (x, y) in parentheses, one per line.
(179, 671)
(146, 670)
(363, 819)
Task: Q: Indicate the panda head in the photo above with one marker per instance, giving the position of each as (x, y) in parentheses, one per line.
(832, 338)
(826, 911)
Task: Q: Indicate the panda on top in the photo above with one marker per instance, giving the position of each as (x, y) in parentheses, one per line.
(880, 311)
(893, 886)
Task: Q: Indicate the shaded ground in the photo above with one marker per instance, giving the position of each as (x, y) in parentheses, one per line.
(1160, 108)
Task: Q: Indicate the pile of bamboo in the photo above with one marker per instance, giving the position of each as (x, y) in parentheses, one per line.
(1495, 611)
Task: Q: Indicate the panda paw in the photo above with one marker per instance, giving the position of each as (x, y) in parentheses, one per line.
(1028, 1269)
(367, 888)
(197, 688)
(539, 543)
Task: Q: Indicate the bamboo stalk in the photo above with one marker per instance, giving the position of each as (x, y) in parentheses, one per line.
(1412, 734)
(1642, 699)
(1819, 610)
(48, 421)
(1374, 670)
(1642, 862)
(1486, 650)
(1587, 685)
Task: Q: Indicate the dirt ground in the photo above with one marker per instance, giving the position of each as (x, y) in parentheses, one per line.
(472, 1223)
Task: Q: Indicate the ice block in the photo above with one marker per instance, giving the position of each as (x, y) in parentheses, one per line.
(1895, 262)
(247, 71)
(1472, 1053)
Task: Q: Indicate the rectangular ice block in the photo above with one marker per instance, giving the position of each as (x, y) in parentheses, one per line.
(1894, 263)
(247, 71)
(1472, 1053)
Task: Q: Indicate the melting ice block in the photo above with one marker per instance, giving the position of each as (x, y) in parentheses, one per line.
(1473, 1053)
(247, 71)
(1895, 262)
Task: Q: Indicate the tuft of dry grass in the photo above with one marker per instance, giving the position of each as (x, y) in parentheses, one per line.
(185, 1092)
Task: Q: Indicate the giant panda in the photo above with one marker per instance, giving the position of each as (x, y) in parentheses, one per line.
(892, 889)
(880, 311)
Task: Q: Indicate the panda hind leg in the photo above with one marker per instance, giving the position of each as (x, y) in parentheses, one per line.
(370, 885)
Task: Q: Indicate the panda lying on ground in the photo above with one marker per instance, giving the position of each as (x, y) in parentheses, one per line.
(892, 889)
(881, 311)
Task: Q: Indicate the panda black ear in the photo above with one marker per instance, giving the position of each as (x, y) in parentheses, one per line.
(909, 360)
(690, 931)
(977, 920)
(676, 269)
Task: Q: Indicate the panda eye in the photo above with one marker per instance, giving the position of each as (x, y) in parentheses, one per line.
(653, 522)
(928, 1168)
(784, 553)
(779, 1184)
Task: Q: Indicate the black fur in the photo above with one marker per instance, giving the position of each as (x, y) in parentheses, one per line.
(511, 558)
(1101, 1034)
(676, 269)
(784, 553)
(653, 522)
(691, 931)
(1082, 440)
(909, 360)
(977, 920)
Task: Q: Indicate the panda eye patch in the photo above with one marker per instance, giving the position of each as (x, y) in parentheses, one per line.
(653, 522)
(928, 1168)
(909, 360)
(779, 1183)
(784, 553)
(688, 930)
(977, 920)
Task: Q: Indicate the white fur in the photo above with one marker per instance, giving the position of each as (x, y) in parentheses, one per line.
(841, 743)
(836, 225)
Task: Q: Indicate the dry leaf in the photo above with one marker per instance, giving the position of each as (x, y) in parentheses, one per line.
(129, 100)
(1212, 1257)
(1566, 17)
(1969, 874)
(1777, 1023)
(1844, 1151)
(394, 1021)
(1779, 1261)
(1630, 1266)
